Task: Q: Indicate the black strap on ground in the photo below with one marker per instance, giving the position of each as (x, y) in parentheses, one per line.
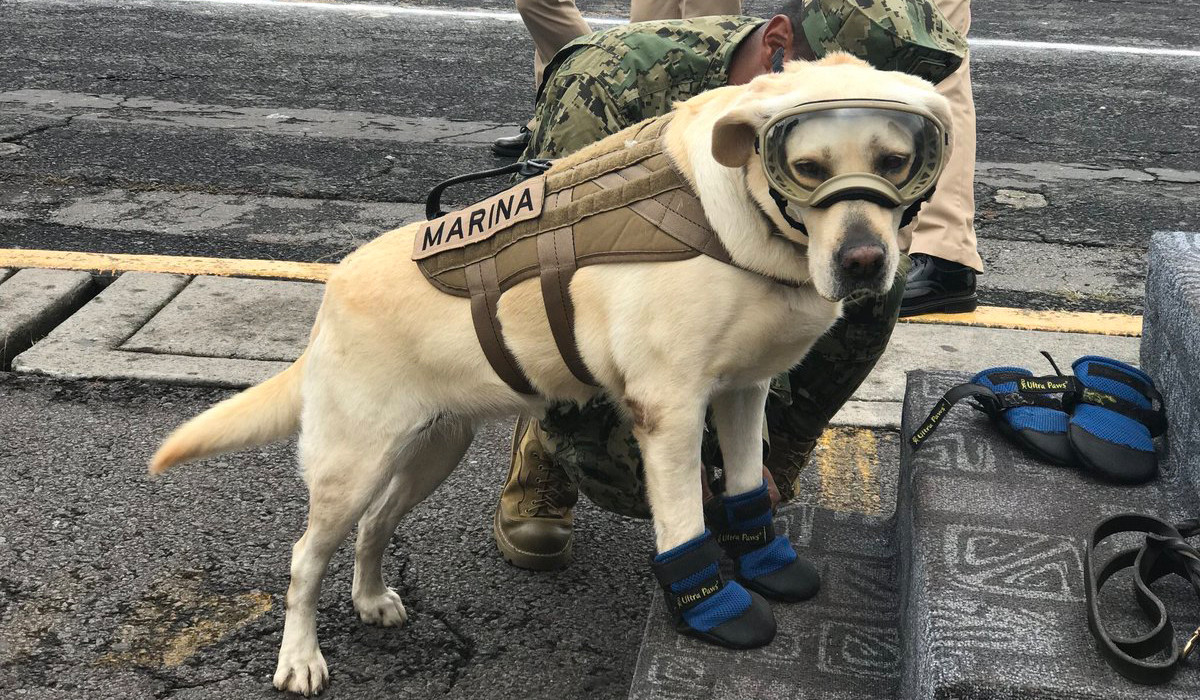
(985, 399)
(524, 168)
(1156, 656)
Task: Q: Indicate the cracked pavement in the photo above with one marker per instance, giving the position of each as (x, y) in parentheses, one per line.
(264, 104)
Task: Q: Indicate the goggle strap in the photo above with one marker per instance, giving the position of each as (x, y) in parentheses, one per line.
(856, 193)
(781, 202)
(913, 209)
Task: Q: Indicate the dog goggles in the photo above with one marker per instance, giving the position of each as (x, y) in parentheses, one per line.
(895, 157)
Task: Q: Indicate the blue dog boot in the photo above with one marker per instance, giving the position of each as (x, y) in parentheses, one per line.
(1031, 411)
(765, 562)
(704, 605)
(1117, 416)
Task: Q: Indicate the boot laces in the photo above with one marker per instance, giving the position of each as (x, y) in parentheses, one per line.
(551, 488)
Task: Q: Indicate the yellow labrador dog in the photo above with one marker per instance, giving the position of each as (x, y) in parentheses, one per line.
(393, 379)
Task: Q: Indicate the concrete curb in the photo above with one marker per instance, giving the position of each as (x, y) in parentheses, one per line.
(92, 343)
(235, 332)
(33, 302)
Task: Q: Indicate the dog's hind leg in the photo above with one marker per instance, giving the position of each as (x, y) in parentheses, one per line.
(418, 471)
(347, 462)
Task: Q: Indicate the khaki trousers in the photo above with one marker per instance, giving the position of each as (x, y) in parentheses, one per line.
(946, 225)
(553, 23)
(647, 10)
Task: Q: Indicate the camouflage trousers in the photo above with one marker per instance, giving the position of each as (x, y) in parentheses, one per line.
(594, 444)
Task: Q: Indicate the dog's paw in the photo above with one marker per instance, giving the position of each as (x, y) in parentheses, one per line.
(303, 673)
(385, 610)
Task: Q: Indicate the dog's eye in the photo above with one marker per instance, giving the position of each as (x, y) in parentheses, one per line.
(809, 169)
(892, 162)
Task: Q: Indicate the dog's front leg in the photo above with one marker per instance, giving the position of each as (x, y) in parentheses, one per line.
(668, 433)
(699, 600)
(743, 520)
(738, 418)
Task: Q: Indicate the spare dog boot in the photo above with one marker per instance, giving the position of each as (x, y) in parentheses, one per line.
(1115, 420)
(704, 605)
(1030, 411)
(765, 562)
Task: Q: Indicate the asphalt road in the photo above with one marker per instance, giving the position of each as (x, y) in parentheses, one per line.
(113, 585)
(106, 104)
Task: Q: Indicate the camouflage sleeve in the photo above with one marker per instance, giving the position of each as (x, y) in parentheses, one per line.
(576, 108)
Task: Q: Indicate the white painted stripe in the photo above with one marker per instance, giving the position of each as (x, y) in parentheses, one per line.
(402, 10)
(1085, 48)
(357, 7)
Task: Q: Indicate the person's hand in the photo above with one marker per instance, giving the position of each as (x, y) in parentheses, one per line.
(772, 489)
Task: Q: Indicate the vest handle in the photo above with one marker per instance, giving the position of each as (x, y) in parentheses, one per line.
(525, 168)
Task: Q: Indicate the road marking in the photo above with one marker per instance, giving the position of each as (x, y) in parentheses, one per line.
(402, 10)
(985, 316)
(1091, 322)
(846, 463)
(1085, 48)
(173, 264)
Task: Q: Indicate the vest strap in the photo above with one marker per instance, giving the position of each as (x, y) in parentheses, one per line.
(556, 258)
(485, 294)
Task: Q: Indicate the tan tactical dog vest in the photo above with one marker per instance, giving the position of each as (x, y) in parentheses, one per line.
(628, 204)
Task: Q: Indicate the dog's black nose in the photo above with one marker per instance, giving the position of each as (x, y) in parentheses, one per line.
(861, 261)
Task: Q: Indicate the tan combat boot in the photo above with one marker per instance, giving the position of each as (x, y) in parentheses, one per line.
(534, 522)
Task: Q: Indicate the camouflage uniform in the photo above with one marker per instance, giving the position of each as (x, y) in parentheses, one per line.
(606, 81)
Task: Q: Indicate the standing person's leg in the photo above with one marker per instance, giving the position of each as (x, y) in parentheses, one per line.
(551, 24)
(943, 246)
(706, 8)
(649, 10)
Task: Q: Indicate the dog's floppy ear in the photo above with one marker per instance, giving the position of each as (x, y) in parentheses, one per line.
(733, 136)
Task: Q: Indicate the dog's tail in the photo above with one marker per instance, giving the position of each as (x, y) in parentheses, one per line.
(261, 414)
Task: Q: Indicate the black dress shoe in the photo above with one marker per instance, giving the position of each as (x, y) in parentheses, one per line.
(512, 146)
(937, 286)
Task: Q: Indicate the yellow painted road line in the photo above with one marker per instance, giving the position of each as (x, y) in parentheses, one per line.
(847, 460)
(1027, 319)
(984, 316)
(177, 264)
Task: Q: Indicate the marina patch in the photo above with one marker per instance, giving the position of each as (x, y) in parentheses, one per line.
(481, 221)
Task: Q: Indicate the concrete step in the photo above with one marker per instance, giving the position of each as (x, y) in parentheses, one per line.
(1171, 348)
(991, 549)
(32, 302)
(973, 589)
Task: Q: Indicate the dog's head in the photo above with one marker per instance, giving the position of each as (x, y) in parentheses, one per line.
(835, 153)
